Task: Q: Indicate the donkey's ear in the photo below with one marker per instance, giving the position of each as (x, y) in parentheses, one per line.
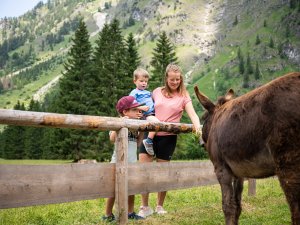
(229, 95)
(207, 104)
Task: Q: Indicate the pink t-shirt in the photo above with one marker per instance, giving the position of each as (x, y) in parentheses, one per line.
(168, 109)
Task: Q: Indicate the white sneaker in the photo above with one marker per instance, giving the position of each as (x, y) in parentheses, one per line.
(160, 210)
(148, 147)
(145, 211)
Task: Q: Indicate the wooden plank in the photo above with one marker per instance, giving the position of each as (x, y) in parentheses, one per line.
(25, 185)
(156, 177)
(121, 185)
(42, 119)
(251, 187)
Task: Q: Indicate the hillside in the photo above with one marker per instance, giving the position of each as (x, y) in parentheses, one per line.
(207, 36)
(268, 21)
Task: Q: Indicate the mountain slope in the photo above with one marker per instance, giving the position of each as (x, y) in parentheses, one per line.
(207, 36)
(267, 21)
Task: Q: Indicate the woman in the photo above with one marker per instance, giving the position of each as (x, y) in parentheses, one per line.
(170, 102)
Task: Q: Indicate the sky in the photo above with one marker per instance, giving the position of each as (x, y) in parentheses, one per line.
(15, 8)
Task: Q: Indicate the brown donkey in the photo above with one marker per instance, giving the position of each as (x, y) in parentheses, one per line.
(255, 135)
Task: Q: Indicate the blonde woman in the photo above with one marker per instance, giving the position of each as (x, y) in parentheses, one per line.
(170, 102)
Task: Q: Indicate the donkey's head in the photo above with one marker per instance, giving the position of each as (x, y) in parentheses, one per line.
(211, 108)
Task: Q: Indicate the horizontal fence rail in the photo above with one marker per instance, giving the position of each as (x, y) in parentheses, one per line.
(42, 119)
(27, 185)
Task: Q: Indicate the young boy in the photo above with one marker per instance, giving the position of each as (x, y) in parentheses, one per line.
(140, 79)
(129, 108)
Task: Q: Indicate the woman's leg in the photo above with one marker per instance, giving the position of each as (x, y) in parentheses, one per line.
(145, 210)
(165, 146)
(161, 195)
(144, 158)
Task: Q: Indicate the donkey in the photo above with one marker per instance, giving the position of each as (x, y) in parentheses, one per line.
(256, 135)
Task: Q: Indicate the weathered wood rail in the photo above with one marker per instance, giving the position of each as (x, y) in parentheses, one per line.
(42, 119)
(26, 185)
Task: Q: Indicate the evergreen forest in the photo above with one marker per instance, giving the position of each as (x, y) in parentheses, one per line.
(94, 78)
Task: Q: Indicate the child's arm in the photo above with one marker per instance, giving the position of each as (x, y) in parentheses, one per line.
(112, 136)
(144, 108)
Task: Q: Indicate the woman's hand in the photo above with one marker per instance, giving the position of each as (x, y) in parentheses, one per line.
(199, 135)
(198, 131)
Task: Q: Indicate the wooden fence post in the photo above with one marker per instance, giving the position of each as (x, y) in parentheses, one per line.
(251, 187)
(121, 185)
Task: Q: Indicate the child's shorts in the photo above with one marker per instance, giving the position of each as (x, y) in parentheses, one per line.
(164, 146)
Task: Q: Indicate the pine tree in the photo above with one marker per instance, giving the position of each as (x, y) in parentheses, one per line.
(163, 55)
(110, 62)
(74, 96)
(114, 78)
(239, 53)
(265, 23)
(51, 137)
(120, 71)
(249, 64)
(280, 50)
(246, 80)
(241, 65)
(271, 43)
(293, 4)
(257, 41)
(2, 145)
(235, 21)
(1, 87)
(33, 136)
(287, 31)
(13, 139)
(256, 73)
(265, 51)
(132, 56)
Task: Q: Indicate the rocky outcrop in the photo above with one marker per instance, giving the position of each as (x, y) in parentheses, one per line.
(292, 53)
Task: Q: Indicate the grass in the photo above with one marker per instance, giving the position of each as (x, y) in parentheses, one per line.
(199, 205)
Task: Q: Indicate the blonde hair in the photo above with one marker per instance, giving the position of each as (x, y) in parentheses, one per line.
(140, 72)
(181, 89)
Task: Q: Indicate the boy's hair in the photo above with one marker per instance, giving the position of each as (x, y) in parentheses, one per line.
(175, 68)
(140, 72)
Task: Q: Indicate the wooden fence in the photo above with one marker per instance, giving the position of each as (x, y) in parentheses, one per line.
(26, 185)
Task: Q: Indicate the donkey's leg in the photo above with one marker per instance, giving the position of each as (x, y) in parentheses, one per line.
(238, 185)
(295, 210)
(292, 193)
(286, 152)
(231, 196)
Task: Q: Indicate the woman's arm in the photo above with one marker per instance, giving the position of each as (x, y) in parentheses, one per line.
(193, 116)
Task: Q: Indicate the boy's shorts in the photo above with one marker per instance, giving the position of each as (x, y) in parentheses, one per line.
(132, 153)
